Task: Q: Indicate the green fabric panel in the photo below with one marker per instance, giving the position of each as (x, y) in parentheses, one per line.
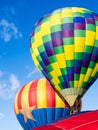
(70, 63)
(45, 19)
(50, 76)
(68, 41)
(41, 48)
(60, 85)
(64, 71)
(88, 49)
(46, 38)
(49, 67)
(61, 79)
(96, 23)
(96, 43)
(87, 11)
(84, 84)
(76, 77)
(38, 58)
(79, 33)
(32, 39)
(67, 20)
(91, 27)
(83, 70)
(52, 59)
(58, 50)
(78, 55)
(40, 68)
(71, 83)
(56, 28)
(78, 14)
(92, 64)
(37, 29)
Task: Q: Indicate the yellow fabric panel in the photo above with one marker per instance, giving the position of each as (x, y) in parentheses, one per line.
(61, 60)
(45, 29)
(59, 102)
(88, 73)
(38, 39)
(15, 104)
(55, 66)
(81, 80)
(55, 19)
(69, 52)
(90, 38)
(96, 32)
(34, 59)
(67, 13)
(54, 75)
(76, 84)
(41, 94)
(79, 44)
(56, 85)
(25, 93)
(33, 45)
(77, 9)
(95, 70)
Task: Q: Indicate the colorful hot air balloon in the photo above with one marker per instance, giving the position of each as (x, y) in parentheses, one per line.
(87, 120)
(64, 47)
(37, 104)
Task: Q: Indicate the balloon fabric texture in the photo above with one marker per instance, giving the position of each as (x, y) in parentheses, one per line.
(37, 104)
(64, 47)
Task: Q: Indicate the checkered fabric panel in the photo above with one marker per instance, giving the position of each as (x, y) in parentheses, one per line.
(64, 47)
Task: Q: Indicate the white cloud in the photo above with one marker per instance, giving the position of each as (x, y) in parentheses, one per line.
(1, 115)
(8, 85)
(9, 31)
(32, 73)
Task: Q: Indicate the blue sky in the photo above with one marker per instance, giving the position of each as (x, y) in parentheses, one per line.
(17, 20)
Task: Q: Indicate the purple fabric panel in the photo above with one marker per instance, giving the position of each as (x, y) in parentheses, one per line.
(46, 61)
(68, 26)
(68, 33)
(50, 52)
(77, 70)
(79, 26)
(90, 21)
(57, 42)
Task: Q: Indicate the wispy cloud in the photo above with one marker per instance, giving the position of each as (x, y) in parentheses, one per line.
(1, 115)
(32, 73)
(8, 31)
(9, 84)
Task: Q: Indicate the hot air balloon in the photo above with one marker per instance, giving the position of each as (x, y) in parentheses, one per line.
(64, 47)
(37, 104)
(87, 120)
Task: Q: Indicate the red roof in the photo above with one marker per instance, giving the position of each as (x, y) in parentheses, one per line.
(82, 121)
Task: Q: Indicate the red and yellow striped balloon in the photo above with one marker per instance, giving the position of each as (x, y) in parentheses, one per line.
(35, 100)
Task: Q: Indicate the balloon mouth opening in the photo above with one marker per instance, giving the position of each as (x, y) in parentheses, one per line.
(76, 107)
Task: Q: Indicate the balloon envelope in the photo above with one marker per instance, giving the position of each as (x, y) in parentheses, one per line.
(82, 121)
(37, 104)
(64, 47)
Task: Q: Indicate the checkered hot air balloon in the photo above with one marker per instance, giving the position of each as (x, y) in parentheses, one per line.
(64, 47)
(37, 104)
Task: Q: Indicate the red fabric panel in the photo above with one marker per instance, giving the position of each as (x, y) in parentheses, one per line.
(19, 103)
(33, 94)
(50, 95)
